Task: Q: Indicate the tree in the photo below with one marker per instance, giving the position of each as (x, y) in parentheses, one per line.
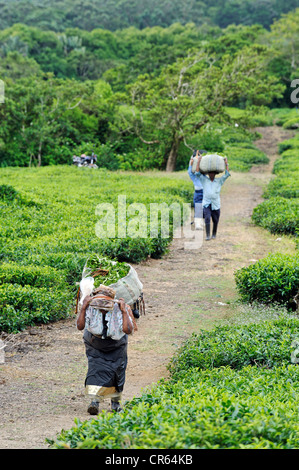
(285, 37)
(40, 115)
(193, 92)
(15, 66)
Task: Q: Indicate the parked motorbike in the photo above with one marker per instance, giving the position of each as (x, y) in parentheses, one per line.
(85, 160)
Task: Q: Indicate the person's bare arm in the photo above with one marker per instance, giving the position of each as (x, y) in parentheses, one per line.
(198, 163)
(226, 163)
(81, 316)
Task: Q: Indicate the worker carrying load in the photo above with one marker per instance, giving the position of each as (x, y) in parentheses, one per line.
(120, 276)
(204, 171)
(209, 163)
(198, 189)
(107, 320)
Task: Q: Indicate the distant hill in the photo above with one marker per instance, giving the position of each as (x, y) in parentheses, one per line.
(58, 15)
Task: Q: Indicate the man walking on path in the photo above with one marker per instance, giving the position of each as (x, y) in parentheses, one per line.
(211, 196)
(198, 192)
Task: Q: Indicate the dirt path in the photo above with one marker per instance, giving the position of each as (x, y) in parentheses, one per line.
(42, 381)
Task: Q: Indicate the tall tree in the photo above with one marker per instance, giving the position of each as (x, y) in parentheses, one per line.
(285, 37)
(36, 116)
(194, 91)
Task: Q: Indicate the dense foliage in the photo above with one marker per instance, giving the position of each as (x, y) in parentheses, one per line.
(271, 279)
(142, 85)
(214, 398)
(265, 344)
(140, 99)
(118, 14)
(276, 277)
(50, 228)
(279, 213)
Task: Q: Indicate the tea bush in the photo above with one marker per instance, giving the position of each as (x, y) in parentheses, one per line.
(283, 185)
(237, 143)
(278, 215)
(292, 123)
(288, 144)
(218, 409)
(261, 117)
(22, 306)
(287, 163)
(242, 158)
(7, 193)
(35, 276)
(282, 115)
(271, 279)
(265, 344)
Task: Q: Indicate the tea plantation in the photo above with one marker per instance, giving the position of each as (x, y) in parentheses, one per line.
(48, 222)
(279, 213)
(276, 278)
(233, 387)
(49, 219)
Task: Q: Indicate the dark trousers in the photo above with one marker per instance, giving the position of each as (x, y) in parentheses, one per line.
(197, 199)
(209, 214)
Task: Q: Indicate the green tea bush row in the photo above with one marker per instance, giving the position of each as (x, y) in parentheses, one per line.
(283, 185)
(22, 306)
(66, 222)
(239, 147)
(287, 163)
(35, 276)
(45, 244)
(260, 117)
(289, 144)
(265, 344)
(242, 158)
(276, 278)
(285, 117)
(237, 143)
(271, 279)
(292, 123)
(218, 409)
(71, 264)
(278, 215)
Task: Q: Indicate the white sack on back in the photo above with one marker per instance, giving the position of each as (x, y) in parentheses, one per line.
(86, 287)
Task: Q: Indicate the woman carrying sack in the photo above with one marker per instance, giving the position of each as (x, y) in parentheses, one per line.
(211, 196)
(198, 190)
(107, 322)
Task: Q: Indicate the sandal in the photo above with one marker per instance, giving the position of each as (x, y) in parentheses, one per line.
(93, 408)
(115, 406)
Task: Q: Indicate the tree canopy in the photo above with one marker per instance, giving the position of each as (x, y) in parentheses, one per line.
(143, 95)
(58, 15)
